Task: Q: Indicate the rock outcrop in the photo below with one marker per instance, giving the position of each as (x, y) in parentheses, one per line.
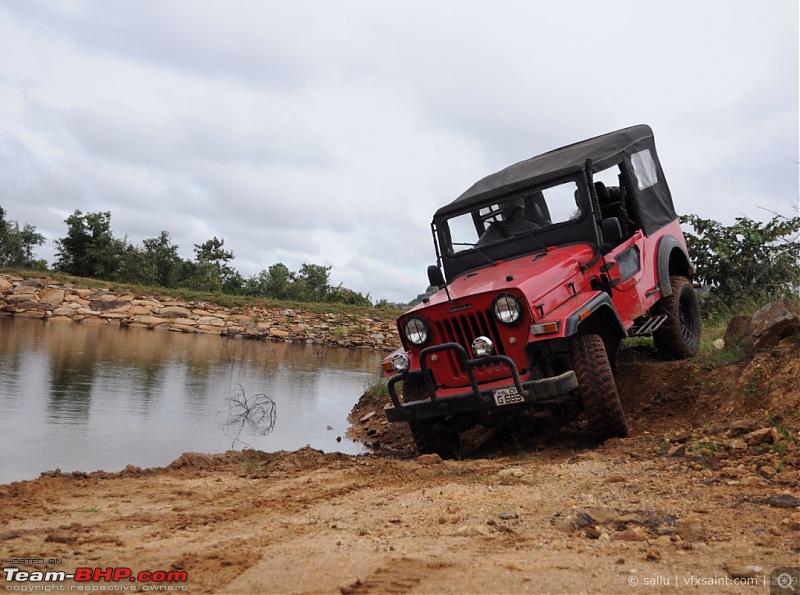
(54, 302)
(775, 321)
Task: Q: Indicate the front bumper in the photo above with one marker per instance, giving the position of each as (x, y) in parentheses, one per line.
(535, 392)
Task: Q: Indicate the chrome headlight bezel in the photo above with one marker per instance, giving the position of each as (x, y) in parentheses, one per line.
(416, 330)
(507, 309)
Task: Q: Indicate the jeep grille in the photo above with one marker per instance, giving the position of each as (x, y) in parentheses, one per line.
(463, 328)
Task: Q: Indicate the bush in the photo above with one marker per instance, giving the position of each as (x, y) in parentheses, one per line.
(749, 261)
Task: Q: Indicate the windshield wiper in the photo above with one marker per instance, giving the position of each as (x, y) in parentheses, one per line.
(478, 250)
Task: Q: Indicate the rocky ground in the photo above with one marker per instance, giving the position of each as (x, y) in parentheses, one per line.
(58, 302)
(702, 497)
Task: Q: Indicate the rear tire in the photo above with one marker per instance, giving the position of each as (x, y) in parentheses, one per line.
(428, 434)
(679, 336)
(597, 388)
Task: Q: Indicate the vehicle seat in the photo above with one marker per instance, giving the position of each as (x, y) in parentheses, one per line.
(611, 205)
(534, 214)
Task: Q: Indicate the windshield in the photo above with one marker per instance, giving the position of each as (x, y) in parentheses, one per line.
(520, 214)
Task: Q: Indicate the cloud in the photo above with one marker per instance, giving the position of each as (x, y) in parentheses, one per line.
(329, 132)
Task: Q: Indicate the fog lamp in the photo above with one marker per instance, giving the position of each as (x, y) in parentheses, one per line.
(400, 362)
(482, 347)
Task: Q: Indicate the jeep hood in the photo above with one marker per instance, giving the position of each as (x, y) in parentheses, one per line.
(534, 275)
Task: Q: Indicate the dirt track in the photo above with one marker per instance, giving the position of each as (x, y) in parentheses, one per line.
(701, 498)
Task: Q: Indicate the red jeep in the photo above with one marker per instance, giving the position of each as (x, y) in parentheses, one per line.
(543, 268)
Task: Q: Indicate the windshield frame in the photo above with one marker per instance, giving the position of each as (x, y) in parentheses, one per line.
(570, 231)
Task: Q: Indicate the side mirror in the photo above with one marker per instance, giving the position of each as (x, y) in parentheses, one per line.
(435, 276)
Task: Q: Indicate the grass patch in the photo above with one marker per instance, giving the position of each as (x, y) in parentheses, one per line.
(378, 386)
(249, 467)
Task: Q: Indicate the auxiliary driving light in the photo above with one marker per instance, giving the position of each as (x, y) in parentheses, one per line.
(400, 362)
(482, 347)
(507, 308)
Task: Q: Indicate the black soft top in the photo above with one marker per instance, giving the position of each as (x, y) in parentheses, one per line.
(604, 151)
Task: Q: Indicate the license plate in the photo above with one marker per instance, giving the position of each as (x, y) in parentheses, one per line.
(507, 396)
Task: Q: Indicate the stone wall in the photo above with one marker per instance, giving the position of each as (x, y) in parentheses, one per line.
(53, 302)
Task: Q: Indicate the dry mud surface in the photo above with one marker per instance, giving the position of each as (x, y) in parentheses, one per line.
(702, 497)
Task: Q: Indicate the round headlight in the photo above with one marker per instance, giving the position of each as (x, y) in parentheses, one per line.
(482, 346)
(400, 362)
(416, 330)
(507, 308)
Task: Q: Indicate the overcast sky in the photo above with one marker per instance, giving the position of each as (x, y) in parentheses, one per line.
(329, 131)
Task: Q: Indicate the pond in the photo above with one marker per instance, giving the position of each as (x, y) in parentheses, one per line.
(83, 398)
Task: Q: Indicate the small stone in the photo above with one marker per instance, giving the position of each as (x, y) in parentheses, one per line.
(734, 471)
(511, 472)
(719, 344)
(762, 436)
(783, 501)
(677, 450)
(601, 515)
(429, 459)
(737, 445)
(743, 425)
(593, 532)
(690, 528)
(615, 479)
(740, 571)
(653, 555)
(367, 417)
(508, 515)
(680, 437)
(753, 481)
(632, 534)
(175, 312)
(794, 521)
(767, 471)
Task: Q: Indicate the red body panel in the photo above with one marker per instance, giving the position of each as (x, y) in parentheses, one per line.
(552, 285)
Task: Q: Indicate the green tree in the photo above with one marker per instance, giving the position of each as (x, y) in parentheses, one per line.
(132, 265)
(278, 281)
(311, 283)
(747, 260)
(343, 295)
(89, 249)
(213, 272)
(16, 245)
(273, 283)
(162, 260)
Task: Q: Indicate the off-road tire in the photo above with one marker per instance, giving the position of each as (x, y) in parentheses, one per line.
(679, 335)
(597, 388)
(428, 435)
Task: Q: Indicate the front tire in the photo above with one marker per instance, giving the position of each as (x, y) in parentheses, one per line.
(597, 388)
(429, 436)
(679, 336)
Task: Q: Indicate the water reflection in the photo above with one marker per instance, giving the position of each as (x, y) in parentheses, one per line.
(90, 397)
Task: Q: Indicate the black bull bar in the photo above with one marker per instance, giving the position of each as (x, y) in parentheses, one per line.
(543, 391)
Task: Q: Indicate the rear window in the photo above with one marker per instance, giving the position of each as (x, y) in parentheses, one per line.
(644, 168)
